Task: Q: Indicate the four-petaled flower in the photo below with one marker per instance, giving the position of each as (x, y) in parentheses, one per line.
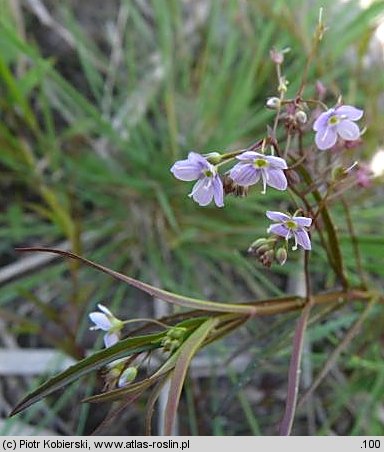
(337, 121)
(208, 186)
(287, 226)
(106, 321)
(252, 166)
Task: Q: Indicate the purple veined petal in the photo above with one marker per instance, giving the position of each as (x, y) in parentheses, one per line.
(348, 130)
(203, 191)
(277, 216)
(303, 221)
(303, 239)
(101, 321)
(218, 191)
(198, 159)
(245, 174)
(104, 309)
(110, 339)
(322, 120)
(352, 113)
(277, 179)
(249, 155)
(325, 139)
(276, 162)
(279, 229)
(186, 170)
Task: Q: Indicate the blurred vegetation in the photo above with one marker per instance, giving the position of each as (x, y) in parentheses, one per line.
(95, 107)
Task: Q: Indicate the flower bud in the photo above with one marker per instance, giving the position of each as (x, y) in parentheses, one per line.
(277, 56)
(281, 255)
(258, 242)
(177, 332)
(230, 187)
(320, 89)
(267, 258)
(213, 157)
(292, 176)
(273, 103)
(169, 345)
(301, 117)
(262, 249)
(129, 374)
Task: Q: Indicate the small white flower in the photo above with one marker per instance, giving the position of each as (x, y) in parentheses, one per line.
(107, 322)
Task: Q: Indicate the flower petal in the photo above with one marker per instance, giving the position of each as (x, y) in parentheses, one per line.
(350, 112)
(277, 216)
(186, 170)
(321, 122)
(325, 139)
(279, 229)
(203, 191)
(249, 155)
(276, 179)
(303, 221)
(244, 174)
(100, 320)
(110, 339)
(105, 310)
(303, 239)
(276, 162)
(218, 191)
(348, 130)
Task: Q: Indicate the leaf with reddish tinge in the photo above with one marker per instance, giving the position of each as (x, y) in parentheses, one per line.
(164, 295)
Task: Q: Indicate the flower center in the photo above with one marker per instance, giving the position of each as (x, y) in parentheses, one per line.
(291, 224)
(260, 163)
(333, 120)
(208, 173)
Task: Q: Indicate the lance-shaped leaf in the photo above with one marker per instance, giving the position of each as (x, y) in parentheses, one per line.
(164, 295)
(122, 349)
(185, 355)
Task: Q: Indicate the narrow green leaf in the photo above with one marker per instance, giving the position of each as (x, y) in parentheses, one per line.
(186, 353)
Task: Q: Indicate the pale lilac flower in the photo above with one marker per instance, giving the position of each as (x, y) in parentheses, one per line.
(336, 122)
(107, 322)
(208, 186)
(252, 166)
(288, 226)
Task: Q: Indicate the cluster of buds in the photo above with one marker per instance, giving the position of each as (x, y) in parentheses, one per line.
(268, 251)
(173, 339)
(292, 112)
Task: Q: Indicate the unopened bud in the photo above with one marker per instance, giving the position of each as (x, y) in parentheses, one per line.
(262, 249)
(273, 103)
(267, 258)
(301, 117)
(129, 374)
(277, 56)
(292, 176)
(170, 345)
(321, 89)
(177, 332)
(281, 256)
(213, 157)
(258, 242)
(230, 187)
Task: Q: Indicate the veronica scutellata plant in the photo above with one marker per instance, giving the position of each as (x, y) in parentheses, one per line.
(289, 157)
